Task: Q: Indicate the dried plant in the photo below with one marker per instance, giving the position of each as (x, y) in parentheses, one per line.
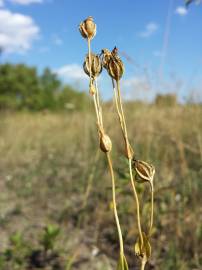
(139, 171)
(92, 67)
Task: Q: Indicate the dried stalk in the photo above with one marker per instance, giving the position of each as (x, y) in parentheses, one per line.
(122, 121)
(99, 117)
(143, 170)
(152, 209)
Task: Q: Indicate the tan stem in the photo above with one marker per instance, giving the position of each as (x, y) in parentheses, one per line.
(98, 103)
(89, 56)
(96, 110)
(143, 263)
(137, 203)
(152, 210)
(100, 125)
(117, 108)
(122, 113)
(115, 207)
(124, 130)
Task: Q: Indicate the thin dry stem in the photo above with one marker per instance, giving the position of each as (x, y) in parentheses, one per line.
(152, 209)
(118, 109)
(115, 207)
(122, 114)
(96, 111)
(98, 102)
(89, 56)
(143, 263)
(137, 202)
(122, 121)
(100, 126)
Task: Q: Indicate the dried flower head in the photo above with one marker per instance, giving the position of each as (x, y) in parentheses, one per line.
(87, 28)
(105, 143)
(144, 171)
(106, 55)
(145, 249)
(92, 67)
(115, 65)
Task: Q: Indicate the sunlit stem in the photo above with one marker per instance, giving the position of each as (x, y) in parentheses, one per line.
(115, 208)
(98, 102)
(143, 263)
(89, 57)
(96, 105)
(137, 202)
(100, 124)
(119, 107)
(96, 110)
(152, 209)
(122, 115)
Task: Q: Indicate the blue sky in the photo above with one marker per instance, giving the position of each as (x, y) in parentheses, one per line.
(161, 39)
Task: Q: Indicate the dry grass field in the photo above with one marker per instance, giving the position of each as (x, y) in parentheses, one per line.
(52, 176)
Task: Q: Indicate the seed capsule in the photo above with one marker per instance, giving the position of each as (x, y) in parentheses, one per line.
(145, 250)
(92, 66)
(87, 28)
(115, 65)
(105, 143)
(106, 55)
(144, 171)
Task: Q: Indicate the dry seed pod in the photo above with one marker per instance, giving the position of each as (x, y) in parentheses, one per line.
(145, 250)
(115, 65)
(105, 143)
(87, 28)
(144, 171)
(95, 67)
(106, 55)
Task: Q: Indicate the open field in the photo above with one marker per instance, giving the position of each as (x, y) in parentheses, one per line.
(51, 173)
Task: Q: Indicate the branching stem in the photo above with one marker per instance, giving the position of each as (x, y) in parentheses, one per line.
(98, 111)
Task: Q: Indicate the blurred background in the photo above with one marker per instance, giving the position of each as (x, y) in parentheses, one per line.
(55, 202)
